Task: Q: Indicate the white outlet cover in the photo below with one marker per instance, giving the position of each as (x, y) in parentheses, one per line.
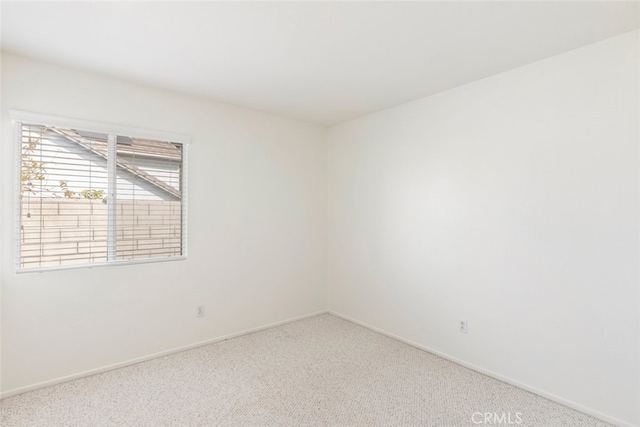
(463, 326)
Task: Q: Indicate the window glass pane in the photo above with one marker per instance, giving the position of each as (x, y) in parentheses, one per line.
(149, 199)
(63, 211)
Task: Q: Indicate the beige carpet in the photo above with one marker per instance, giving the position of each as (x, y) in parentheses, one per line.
(322, 371)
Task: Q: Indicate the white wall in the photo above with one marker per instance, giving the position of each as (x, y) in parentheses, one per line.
(257, 232)
(512, 202)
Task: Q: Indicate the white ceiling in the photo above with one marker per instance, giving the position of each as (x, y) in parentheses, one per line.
(323, 62)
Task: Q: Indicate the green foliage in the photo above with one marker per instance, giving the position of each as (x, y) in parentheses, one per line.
(93, 194)
(33, 176)
(33, 172)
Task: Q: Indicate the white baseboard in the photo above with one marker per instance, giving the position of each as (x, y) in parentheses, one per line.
(534, 390)
(95, 371)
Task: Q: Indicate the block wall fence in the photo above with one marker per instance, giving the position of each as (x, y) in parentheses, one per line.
(57, 232)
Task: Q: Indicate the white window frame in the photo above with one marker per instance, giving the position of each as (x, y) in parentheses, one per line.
(19, 117)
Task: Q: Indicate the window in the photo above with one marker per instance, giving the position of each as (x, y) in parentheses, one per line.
(89, 197)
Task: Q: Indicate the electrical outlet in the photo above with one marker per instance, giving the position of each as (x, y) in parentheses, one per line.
(462, 326)
(200, 311)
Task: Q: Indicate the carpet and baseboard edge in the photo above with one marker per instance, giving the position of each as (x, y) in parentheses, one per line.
(499, 377)
(471, 366)
(136, 360)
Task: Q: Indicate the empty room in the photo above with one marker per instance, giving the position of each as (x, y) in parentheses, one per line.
(320, 213)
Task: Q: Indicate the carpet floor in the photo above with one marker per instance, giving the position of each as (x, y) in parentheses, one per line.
(321, 371)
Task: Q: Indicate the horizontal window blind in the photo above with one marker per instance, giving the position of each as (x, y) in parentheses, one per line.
(90, 198)
(149, 193)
